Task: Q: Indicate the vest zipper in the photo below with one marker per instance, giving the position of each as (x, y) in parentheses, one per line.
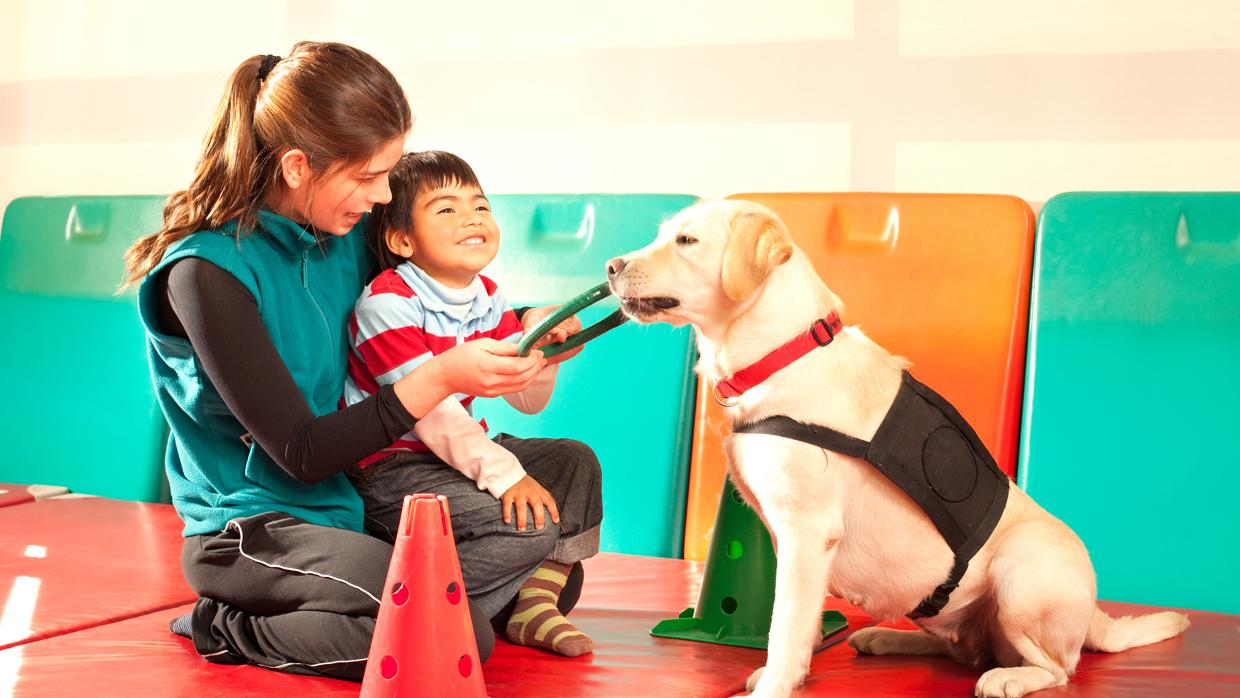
(305, 283)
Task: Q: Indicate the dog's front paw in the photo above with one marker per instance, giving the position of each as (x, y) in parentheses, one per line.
(752, 681)
(769, 684)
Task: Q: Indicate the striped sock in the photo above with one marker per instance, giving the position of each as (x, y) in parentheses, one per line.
(535, 620)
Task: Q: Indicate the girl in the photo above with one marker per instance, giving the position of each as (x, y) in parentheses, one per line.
(245, 293)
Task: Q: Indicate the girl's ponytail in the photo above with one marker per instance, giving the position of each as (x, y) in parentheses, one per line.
(222, 179)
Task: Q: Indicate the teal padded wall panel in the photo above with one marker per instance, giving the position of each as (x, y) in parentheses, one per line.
(78, 409)
(1132, 416)
(629, 394)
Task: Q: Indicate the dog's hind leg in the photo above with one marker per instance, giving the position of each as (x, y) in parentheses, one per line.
(1015, 681)
(800, 586)
(1043, 597)
(1046, 660)
(878, 641)
(1045, 663)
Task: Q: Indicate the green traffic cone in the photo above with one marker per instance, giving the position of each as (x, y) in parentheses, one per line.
(738, 587)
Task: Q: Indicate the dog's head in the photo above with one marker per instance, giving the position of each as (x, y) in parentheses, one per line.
(707, 261)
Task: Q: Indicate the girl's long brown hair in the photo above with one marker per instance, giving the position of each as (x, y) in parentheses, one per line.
(335, 103)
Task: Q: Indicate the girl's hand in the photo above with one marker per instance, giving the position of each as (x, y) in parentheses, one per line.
(559, 333)
(487, 368)
(483, 367)
(527, 491)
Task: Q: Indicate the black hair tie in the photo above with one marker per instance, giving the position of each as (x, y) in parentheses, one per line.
(269, 62)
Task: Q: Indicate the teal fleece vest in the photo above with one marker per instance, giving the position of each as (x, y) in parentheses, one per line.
(305, 290)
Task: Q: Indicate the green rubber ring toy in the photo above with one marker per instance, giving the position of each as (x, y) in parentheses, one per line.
(572, 307)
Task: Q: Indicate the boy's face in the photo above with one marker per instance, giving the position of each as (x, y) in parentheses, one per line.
(454, 236)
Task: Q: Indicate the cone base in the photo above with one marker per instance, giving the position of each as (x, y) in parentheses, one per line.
(686, 627)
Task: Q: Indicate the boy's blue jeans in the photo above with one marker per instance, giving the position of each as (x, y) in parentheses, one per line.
(495, 557)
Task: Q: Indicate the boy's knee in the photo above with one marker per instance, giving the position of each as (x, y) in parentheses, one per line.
(515, 549)
(536, 538)
(582, 458)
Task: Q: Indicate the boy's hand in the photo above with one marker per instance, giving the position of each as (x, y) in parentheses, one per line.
(559, 333)
(527, 491)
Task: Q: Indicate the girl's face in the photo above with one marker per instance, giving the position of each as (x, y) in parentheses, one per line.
(454, 236)
(335, 202)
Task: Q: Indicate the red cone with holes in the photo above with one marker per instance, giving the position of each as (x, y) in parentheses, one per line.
(424, 642)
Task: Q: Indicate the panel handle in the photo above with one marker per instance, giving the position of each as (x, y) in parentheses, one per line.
(87, 221)
(864, 227)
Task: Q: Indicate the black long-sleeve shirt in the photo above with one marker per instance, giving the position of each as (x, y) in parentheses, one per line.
(216, 313)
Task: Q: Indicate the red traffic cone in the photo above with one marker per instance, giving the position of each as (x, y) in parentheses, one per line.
(424, 641)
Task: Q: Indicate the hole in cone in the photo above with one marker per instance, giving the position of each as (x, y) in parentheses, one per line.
(728, 605)
(454, 593)
(736, 497)
(465, 665)
(400, 594)
(735, 550)
(387, 667)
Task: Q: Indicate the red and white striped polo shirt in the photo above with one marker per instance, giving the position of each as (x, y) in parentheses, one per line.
(403, 318)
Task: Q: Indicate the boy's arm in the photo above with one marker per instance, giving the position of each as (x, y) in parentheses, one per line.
(387, 336)
(537, 394)
(460, 441)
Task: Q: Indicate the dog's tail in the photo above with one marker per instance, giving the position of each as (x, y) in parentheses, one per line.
(1107, 634)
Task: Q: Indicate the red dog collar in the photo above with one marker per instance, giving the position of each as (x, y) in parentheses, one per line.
(820, 334)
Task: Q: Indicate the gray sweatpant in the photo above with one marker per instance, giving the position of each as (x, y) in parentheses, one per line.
(289, 595)
(496, 558)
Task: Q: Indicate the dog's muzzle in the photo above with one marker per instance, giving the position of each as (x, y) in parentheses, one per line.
(644, 307)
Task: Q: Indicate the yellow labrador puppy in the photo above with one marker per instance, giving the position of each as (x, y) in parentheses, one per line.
(872, 486)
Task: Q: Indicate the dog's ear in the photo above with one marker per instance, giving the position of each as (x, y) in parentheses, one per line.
(757, 244)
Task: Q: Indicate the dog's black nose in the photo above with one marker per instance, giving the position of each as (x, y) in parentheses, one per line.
(614, 266)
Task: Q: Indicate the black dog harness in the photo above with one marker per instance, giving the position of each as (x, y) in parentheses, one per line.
(930, 452)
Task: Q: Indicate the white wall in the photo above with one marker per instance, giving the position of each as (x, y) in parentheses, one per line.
(709, 97)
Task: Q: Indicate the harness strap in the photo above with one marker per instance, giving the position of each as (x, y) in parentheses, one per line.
(815, 434)
(932, 604)
(839, 442)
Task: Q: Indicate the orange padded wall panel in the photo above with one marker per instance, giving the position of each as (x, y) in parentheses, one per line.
(941, 279)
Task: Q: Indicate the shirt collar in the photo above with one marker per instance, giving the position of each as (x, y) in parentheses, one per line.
(436, 296)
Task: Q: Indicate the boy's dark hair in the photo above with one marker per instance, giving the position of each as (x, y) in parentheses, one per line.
(413, 174)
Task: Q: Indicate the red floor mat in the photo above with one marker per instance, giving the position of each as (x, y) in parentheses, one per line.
(20, 494)
(106, 560)
(1201, 663)
(139, 657)
(68, 564)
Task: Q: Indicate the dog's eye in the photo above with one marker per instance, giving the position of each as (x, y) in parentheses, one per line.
(685, 240)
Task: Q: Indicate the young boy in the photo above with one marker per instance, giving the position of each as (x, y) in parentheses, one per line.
(432, 240)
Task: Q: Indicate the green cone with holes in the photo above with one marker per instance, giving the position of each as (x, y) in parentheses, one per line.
(738, 588)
